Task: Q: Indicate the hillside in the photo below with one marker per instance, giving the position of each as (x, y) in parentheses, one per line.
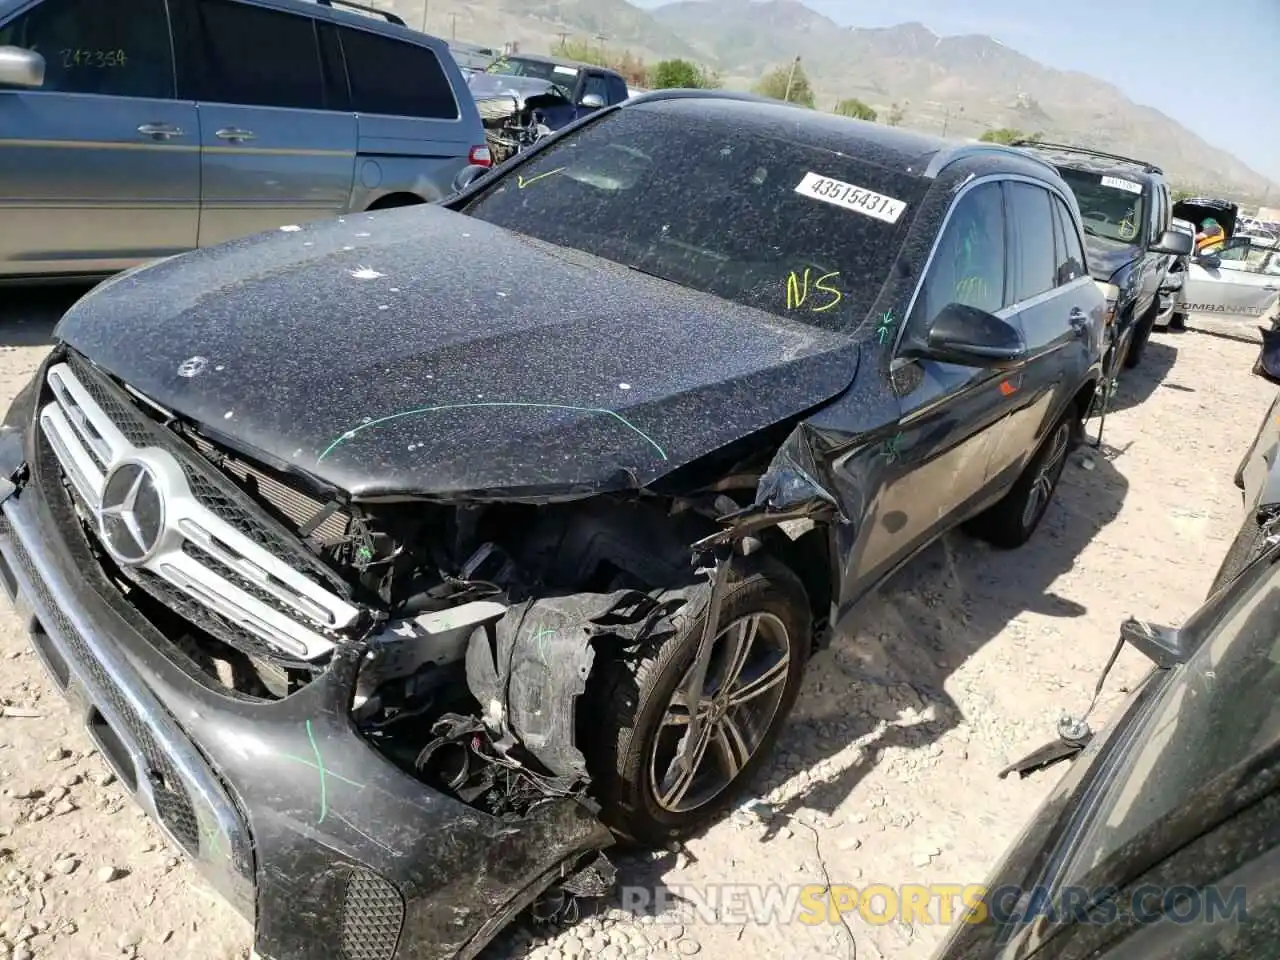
(963, 84)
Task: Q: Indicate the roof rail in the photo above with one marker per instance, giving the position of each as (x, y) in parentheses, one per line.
(1071, 148)
(351, 4)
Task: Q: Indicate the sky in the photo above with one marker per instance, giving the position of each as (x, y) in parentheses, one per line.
(1212, 66)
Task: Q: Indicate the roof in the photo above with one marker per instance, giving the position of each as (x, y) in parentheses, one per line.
(909, 151)
(1084, 159)
(557, 61)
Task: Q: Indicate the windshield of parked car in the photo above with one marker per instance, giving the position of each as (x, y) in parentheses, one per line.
(752, 214)
(1111, 207)
(1221, 708)
(537, 69)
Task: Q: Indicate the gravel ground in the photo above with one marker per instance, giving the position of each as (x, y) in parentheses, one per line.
(886, 772)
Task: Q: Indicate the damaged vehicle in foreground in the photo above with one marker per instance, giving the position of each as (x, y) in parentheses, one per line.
(400, 563)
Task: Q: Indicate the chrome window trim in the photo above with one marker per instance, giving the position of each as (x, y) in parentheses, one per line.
(1004, 312)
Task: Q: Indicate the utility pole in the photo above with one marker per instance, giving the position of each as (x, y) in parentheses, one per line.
(426, 4)
(602, 38)
(791, 79)
(564, 40)
(946, 118)
(453, 27)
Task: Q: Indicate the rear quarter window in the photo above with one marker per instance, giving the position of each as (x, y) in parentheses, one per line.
(396, 78)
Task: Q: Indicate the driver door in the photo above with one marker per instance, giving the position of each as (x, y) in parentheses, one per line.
(1246, 290)
(952, 415)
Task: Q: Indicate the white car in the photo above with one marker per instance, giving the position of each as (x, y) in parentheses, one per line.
(1241, 282)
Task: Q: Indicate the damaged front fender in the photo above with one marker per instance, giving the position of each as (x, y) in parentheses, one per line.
(529, 671)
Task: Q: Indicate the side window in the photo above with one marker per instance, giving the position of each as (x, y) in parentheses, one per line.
(968, 265)
(1032, 261)
(595, 83)
(395, 78)
(617, 90)
(251, 56)
(1070, 263)
(1157, 213)
(117, 49)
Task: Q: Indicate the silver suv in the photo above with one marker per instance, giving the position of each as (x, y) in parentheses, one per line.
(136, 129)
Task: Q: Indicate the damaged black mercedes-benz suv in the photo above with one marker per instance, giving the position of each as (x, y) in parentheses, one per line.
(399, 563)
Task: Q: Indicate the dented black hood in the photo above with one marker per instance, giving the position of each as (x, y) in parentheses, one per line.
(422, 352)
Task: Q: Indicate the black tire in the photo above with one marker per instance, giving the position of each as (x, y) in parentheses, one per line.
(630, 695)
(1178, 323)
(1244, 549)
(1138, 343)
(1011, 522)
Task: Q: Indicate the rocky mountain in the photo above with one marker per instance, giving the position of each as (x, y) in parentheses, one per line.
(961, 84)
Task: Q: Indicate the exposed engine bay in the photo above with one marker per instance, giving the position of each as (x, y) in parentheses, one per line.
(513, 123)
(484, 623)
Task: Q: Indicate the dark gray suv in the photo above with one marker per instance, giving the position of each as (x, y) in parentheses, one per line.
(136, 129)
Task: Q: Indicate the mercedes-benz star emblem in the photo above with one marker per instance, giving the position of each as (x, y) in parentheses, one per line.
(192, 366)
(132, 513)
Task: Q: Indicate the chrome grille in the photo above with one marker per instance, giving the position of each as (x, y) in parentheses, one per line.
(298, 507)
(206, 545)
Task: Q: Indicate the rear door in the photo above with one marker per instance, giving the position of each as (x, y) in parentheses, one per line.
(955, 411)
(411, 127)
(1246, 293)
(273, 152)
(100, 167)
(1052, 302)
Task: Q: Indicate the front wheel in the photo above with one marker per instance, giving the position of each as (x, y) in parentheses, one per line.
(1138, 345)
(1012, 521)
(640, 709)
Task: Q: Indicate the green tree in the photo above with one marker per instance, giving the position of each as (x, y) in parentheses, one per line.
(631, 67)
(681, 73)
(895, 115)
(776, 82)
(853, 107)
(1007, 135)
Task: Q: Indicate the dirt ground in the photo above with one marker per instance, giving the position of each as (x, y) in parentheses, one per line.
(886, 772)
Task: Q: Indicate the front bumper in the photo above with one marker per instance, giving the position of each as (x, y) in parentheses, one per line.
(329, 848)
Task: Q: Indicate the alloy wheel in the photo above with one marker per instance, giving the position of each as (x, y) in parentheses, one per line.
(746, 678)
(1042, 487)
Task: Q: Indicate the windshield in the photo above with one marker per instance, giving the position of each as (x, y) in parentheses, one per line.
(740, 212)
(1111, 207)
(1218, 710)
(537, 69)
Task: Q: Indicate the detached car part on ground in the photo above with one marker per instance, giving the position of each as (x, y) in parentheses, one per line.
(1162, 840)
(398, 564)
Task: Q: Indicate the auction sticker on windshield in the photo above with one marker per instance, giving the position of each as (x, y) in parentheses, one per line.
(1120, 184)
(851, 197)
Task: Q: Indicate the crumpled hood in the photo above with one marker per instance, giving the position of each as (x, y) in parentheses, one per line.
(500, 85)
(1108, 256)
(421, 351)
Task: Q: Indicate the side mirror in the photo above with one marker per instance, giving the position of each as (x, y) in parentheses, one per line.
(1174, 242)
(21, 68)
(592, 101)
(468, 175)
(1210, 260)
(973, 337)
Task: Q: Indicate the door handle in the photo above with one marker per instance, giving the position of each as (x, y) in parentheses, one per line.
(160, 131)
(235, 134)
